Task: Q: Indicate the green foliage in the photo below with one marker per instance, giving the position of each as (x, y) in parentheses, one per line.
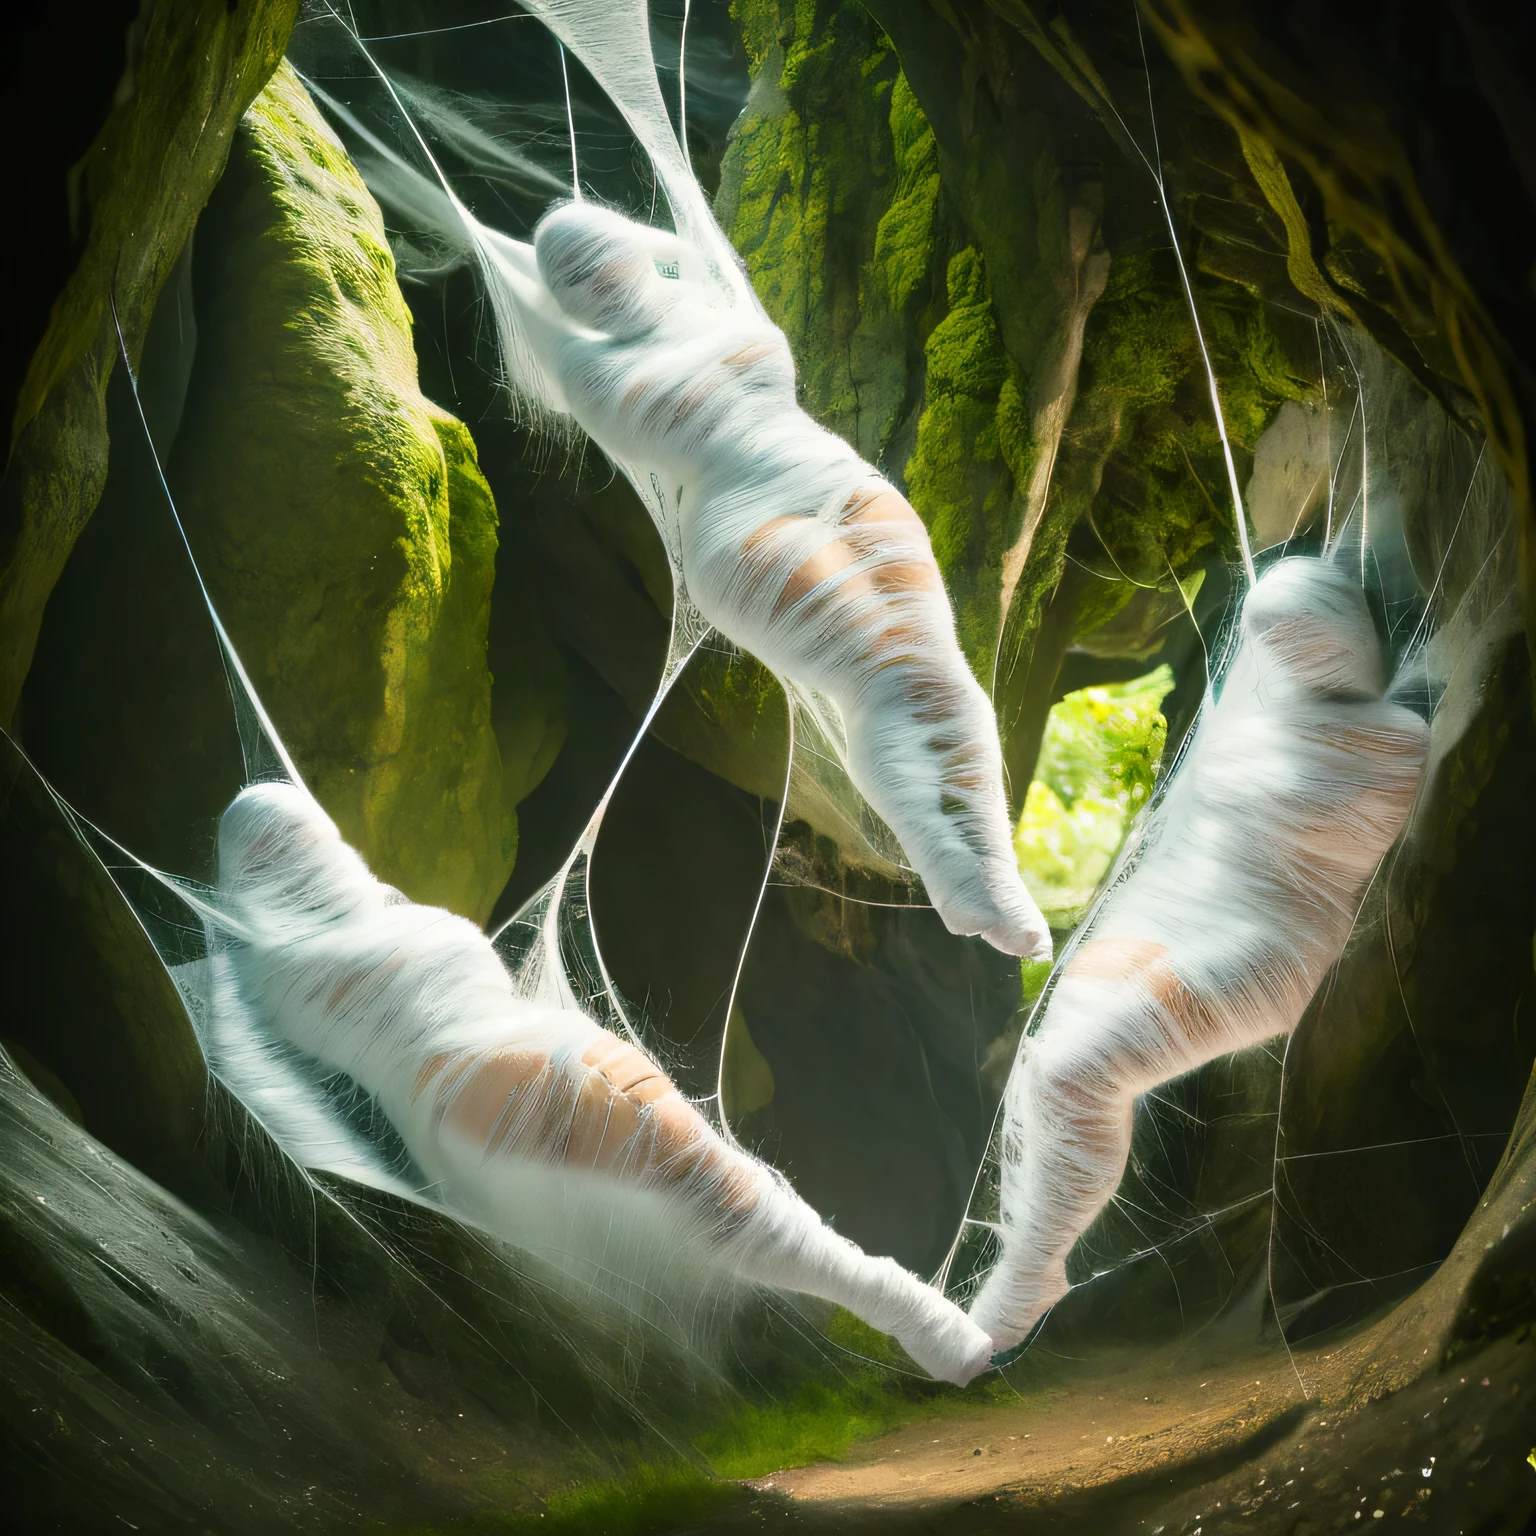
(1107, 741)
(1097, 768)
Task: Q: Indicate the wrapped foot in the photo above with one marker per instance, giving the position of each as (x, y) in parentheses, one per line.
(1014, 1298)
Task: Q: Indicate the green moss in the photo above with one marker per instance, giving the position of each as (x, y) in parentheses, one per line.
(759, 22)
(904, 237)
(965, 355)
(799, 167)
(1138, 342)
(141, 186)
(1033, 975)
(347, 532)
(823, 153)
(654, 1499)
(960, 477)
(736, 690)
(868, 1393)
(1252, 370)
(1015, 438)
(1165, 505)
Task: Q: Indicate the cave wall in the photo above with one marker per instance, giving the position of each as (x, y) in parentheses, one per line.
(945, 207)
(1397, 144)
(192, 68)
(942, 186)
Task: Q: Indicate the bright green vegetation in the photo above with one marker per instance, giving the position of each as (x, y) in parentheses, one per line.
(1033, 975)
(866, 1390)
(1097, 767)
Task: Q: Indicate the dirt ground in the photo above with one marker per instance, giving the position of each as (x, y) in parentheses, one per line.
(1419, 1421)
(1424, 1421)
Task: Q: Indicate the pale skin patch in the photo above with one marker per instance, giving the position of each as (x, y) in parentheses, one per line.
(693, 397)
(753, 352)
(1367, 741)
(619, 1096)
(1145, 963)
(901, 645)
(886, 506)
(877, 523)
(349, 984)
(1115, 959)
(812, 572)
(740, 360)
(272, 841)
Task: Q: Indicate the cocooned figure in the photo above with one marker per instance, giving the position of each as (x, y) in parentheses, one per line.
(790, 544)
(527, 1118)
(1297, 783)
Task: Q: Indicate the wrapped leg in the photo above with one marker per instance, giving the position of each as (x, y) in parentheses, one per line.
(1297, 784)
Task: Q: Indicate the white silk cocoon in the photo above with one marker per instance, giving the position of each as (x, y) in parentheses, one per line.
(526, 1118)
(1299, 779)
(653, 343)
(791, 545)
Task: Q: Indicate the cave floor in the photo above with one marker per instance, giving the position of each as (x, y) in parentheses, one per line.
(1202, 1440)
(1424, 1419)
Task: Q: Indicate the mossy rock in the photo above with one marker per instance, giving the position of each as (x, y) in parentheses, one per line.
(828, 190)
(194, 66)
(346, 531)
(971, 453)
